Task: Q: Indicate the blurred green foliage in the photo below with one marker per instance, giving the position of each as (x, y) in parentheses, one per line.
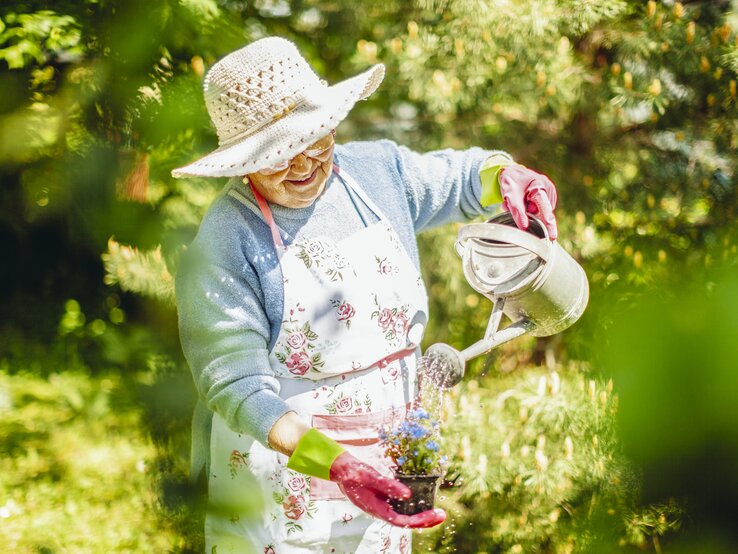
(675, 363)
(629, 106)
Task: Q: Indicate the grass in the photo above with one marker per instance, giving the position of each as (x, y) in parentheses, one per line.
(76, 467)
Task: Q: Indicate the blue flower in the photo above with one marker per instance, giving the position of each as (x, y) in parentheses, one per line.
(415, 452)
(396, 441)
(400, 460)
(432, 446)
(419, 413)
(443, 460)
(417, 432)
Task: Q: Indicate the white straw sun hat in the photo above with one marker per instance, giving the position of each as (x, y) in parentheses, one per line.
(268, 105)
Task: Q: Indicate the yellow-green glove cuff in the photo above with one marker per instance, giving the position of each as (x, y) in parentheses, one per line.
(489, 173)
(315, 454)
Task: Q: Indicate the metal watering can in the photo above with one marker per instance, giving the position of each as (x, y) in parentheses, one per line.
(530, 278)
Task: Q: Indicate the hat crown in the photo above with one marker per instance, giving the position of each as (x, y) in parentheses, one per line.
(255, 85)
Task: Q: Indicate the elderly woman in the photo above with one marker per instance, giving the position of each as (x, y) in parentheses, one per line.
(301, 304)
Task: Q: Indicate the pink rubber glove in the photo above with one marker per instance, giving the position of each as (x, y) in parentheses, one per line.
(370, 491)
(524, 190)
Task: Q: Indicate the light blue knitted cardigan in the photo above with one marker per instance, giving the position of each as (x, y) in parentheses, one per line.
(229, 284)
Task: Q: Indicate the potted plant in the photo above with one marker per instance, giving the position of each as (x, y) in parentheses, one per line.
(414, 447)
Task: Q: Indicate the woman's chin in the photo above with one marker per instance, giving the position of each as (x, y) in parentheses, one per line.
(304, 198)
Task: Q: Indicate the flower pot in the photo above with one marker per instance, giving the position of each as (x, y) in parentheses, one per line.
(424, 489)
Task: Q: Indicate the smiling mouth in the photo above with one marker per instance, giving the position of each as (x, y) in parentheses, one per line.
(307, 181)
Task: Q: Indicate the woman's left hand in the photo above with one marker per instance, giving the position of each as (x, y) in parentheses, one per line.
(369, 490)
(523, 190)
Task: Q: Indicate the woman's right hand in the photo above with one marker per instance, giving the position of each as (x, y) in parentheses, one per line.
(524, 190)
(369, 490)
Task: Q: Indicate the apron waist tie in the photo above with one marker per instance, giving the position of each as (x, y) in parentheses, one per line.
(384, 362)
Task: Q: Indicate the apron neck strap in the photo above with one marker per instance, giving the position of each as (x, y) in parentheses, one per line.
(356, 188)
(266, 211)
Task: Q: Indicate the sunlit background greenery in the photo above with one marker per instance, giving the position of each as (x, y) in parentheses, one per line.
(620, 434)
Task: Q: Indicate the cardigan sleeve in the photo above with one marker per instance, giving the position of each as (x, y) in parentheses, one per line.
(437, 187)
(224, 333)
(443, 185)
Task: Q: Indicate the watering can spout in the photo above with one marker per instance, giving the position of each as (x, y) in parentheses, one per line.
(445, 365)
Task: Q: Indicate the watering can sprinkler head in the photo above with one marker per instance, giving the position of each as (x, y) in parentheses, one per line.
(529, 277)
(444, 365)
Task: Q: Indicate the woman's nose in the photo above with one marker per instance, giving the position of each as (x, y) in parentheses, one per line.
(301, 163)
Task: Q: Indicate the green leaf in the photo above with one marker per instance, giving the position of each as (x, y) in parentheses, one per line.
(307, 260)
(207, 10)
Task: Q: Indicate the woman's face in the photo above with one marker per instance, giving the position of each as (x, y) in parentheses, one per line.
(303, 178)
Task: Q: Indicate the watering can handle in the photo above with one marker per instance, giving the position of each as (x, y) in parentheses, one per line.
(505, 234)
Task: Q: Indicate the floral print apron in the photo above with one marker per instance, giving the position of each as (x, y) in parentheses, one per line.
(346, 361)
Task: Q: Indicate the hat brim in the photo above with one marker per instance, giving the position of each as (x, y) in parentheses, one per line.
(284, 138)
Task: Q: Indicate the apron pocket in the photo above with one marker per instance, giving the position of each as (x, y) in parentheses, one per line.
(358, 434)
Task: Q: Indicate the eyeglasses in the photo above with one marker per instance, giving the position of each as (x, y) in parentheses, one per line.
(315, 150)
